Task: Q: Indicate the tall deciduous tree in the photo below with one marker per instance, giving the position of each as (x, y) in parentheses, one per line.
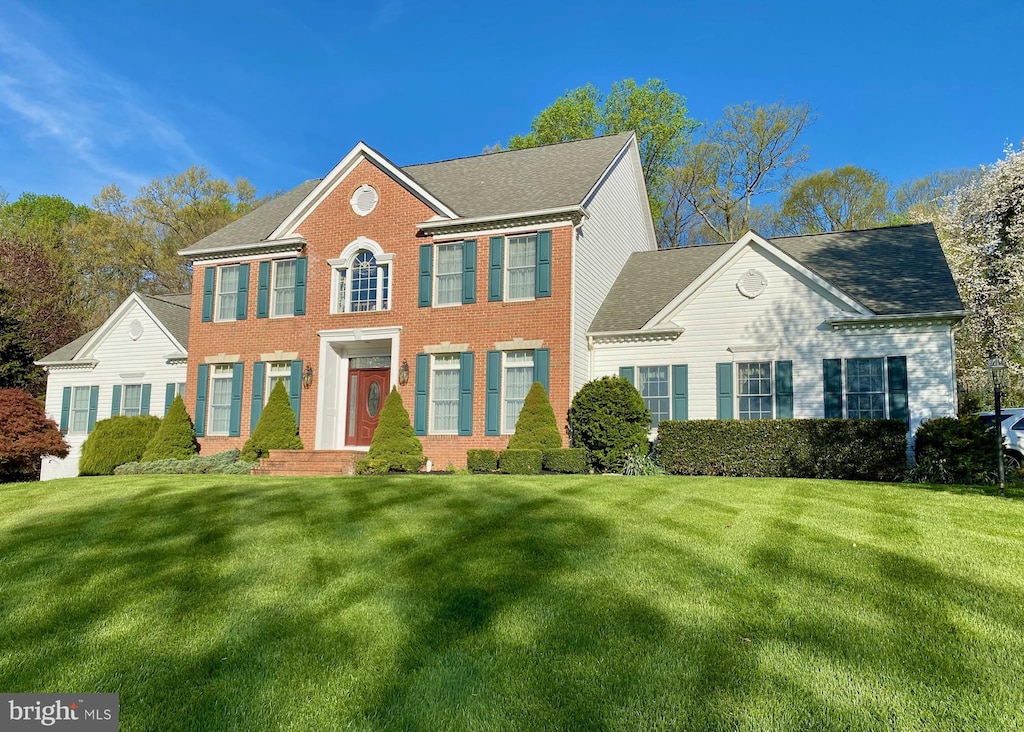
(657, 115)
(839, 199)
(752, 151)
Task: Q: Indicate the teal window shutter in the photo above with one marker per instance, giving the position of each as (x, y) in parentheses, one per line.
(543, 281)
(469, 271)
(263, 291)
(295, 389)
(256, 404)
(542, 367)
(209, 278)
(147, 392)
(94, 402)
(680, 391)
(115, 400)
(784, 389)
(723, 382)
(169, 390)
(899, 404)
(202, 382)
(242, 304)
(466, 393)
(832, 374)
(235, 425)
(301, 264)
(495, 278)
(628, 373)
(426, 268)
(422, 393)
(492, 405)
(65, 410)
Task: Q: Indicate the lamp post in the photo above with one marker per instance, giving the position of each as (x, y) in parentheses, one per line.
(998, 371)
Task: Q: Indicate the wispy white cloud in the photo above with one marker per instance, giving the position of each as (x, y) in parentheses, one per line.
(54, 97)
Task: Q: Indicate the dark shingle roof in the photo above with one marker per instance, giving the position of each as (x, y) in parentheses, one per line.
(256, 225)
(891, 271)
(517, 181)
(171, 310)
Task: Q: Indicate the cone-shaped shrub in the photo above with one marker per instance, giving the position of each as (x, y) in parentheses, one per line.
(609, 418)
(276, 429)
(394, 443)
(116, 441)
(536, 428)
(176, 438)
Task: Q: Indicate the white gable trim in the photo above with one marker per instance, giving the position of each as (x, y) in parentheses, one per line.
(632, 149)
(115, 317)
(752, 239)
(360, 152)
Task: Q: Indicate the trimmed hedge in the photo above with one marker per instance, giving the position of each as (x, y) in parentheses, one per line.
(223, 463)
(521, 462)
(116, 441)
(608, 417)
(482, 461)
(842, 449)
(951, 450)
(176, 438)
(395, 446)
(566, 460)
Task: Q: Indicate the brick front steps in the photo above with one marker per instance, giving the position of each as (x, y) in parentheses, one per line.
(309, 462)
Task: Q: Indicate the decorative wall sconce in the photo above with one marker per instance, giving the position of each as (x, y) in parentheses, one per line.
(307, 377)
(403, 373)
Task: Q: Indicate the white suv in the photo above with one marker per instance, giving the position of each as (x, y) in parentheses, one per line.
(1013, 434)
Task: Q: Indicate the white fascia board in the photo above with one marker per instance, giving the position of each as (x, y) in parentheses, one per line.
(751, 238)
(631, 148)
(577, 209)
(340, 172)
(283, 244)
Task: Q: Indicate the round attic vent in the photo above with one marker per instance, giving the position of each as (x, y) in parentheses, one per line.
(364, 200)
(751, 283)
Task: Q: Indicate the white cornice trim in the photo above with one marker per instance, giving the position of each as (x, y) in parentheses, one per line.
(632, 336)
(505, 231)
(83, 365)
(260, 250)
(575, 213)
(902, 320)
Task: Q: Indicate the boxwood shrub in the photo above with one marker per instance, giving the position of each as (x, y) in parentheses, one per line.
(116, 441)
(521, 462)
(566, 460)
(843, 449)
(482, 461)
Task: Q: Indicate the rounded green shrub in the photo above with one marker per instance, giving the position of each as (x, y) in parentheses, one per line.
(276, 429)
(948, 450)
(608, 417)
(394, 442)
(176, 438)
(116, 441)
(536, 428)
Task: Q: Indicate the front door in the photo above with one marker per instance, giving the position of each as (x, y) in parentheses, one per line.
(367, 389)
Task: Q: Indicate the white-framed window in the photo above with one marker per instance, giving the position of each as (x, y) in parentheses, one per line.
(362, 283)
(220, 398)
(227, 292)
(444, 394)
(448, 274)
(517, 378)
(521, 267)
(282, 296)
(756, 396)
(179, 389)
(278, 371)
(131, 400)
(79, 419)
(652, 383)
(865, 388)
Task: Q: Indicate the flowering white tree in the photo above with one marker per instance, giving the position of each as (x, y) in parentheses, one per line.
(982, 228)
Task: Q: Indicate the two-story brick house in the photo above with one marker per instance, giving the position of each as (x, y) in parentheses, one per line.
(461, 282)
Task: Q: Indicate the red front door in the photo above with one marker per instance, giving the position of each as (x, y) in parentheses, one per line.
(367, 389)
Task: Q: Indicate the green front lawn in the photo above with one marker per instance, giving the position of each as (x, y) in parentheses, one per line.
(493, 603)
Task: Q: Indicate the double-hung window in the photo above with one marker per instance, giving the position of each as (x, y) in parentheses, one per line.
(131, 400)
(652, 383)
(227, 292)
(444, 394)
(79, 420)
(220, 398)
(865, 388)
(517, 378)
(278, 371)
(448, 274)
(283, 296)
(521, 267)
(755, 394)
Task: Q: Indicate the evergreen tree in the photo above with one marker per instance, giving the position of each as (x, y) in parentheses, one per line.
(176, 438)
(394, 446)
(277, 428)
(536, 428)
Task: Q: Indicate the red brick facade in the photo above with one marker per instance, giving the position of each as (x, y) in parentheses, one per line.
(393, 225)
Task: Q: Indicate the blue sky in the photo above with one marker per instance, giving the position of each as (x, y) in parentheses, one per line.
(118, 92)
